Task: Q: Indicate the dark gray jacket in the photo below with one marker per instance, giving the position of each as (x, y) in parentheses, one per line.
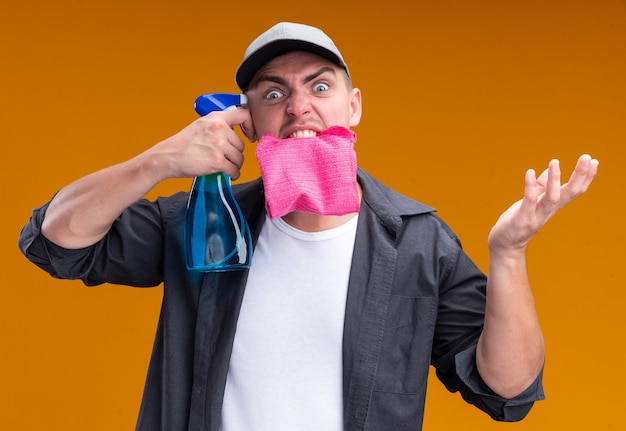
(414, 299)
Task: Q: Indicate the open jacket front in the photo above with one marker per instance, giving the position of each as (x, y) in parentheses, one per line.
(414, 299)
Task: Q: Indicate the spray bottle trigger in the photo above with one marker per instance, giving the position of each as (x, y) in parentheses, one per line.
(208, 103)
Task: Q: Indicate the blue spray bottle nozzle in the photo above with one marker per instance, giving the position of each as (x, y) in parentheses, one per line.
(218, 102)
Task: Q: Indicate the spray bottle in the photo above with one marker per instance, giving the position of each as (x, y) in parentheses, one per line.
(217, 236)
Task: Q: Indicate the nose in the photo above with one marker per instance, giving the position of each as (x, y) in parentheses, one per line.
(299, 104)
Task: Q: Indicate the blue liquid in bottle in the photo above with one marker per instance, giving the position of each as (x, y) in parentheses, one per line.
(217, 236)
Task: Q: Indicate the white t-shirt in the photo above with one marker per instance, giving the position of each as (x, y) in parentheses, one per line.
(286, 367)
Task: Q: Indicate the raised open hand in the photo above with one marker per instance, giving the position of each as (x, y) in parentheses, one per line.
(543, 197)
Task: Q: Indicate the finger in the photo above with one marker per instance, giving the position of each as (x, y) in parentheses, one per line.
(247, 127)
(216, 131)
(234, 151)
(531, 193)
(553, 185)
(543, 178)
(231, 163)
(235, 142)
(241, 117)
(584, 172)
(593, 170)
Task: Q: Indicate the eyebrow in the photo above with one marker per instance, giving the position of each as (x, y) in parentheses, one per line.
(278, 80)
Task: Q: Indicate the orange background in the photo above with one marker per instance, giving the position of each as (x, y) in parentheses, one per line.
(460, 98)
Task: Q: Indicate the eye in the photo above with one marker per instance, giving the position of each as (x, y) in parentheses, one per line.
(273, 94)
(320, 87)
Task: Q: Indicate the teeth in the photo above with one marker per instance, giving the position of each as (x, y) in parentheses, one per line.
(303, 134)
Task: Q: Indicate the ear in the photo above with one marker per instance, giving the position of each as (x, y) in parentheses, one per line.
(355, 107)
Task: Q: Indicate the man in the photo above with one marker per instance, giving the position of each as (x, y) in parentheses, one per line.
(348, 301)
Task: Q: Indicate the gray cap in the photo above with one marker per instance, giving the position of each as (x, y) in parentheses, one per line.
(282, 38)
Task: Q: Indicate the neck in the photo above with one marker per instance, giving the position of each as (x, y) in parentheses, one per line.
(308, 222)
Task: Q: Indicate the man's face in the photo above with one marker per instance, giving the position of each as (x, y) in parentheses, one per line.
(301, 94)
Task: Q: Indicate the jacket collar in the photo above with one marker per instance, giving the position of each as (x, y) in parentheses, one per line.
(389, 205)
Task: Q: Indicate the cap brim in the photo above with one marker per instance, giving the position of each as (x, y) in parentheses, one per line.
(251, 65)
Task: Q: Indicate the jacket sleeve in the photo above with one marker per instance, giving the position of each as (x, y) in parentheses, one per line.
(459, 325)
(130, 254)
(476, 392)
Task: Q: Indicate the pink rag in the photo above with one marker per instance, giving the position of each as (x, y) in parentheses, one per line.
(315, 174)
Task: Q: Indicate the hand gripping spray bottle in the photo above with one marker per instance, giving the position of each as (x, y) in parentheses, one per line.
(217, 237)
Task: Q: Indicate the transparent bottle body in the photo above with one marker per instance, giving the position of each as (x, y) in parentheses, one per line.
(217, 237)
